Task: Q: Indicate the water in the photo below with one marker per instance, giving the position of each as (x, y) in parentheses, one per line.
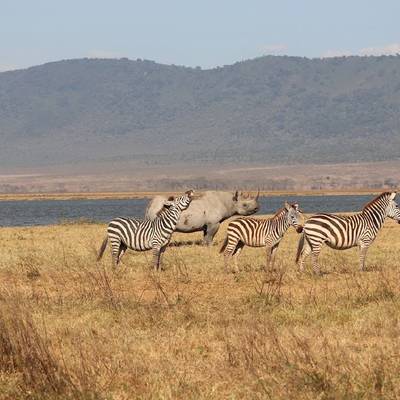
(45, 212)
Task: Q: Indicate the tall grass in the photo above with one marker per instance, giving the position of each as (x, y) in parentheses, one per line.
(38, 364)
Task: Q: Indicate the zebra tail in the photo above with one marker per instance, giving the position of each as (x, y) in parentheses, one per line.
(300, 247)
(221, 250)
(102, 248)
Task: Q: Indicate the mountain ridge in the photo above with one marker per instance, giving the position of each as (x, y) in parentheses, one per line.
(273, 109)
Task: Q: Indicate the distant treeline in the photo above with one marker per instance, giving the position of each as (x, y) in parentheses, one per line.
(277, 184)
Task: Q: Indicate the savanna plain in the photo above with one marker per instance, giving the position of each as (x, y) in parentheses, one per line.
(73, 328)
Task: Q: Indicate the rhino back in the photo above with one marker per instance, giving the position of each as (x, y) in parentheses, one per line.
(154, 206)
(212, 208)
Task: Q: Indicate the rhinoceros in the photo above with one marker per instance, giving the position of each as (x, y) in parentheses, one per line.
(208, 211)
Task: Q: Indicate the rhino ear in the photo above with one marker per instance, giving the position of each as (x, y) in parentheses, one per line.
(235, 196)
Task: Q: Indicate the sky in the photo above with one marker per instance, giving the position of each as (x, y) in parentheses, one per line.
(206, 33)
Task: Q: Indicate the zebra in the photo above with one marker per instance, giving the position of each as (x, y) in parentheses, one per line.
(141, 235)
(260, 233)
(344, 232)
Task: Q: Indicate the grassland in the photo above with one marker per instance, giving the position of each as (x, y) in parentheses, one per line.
(71, 328)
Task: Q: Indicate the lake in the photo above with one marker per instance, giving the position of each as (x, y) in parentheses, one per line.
(45, 212)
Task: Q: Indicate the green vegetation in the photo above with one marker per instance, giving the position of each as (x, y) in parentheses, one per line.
(270, 110)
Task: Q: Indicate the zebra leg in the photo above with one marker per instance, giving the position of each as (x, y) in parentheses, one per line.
(268, 254)
(122, 250)
(236, 253)
(162, 250)
(229, 251)
(115, 250)
(306, 251)
(363, 254)
(209, 233)
(156, 258)
(314, 259)
(273, 255)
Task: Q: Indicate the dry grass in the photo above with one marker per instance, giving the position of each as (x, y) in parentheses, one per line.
(151, 194)
(74, 329)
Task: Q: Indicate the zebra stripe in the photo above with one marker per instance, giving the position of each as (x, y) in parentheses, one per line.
(141, 235)
(343, 232)
(260, 233)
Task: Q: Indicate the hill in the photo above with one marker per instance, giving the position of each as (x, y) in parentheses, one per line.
(268, 110)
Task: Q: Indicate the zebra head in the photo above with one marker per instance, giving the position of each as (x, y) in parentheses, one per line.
(182, 202)
(293, 216)
(393, 210)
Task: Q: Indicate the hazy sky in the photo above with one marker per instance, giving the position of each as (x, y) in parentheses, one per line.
(185, 32)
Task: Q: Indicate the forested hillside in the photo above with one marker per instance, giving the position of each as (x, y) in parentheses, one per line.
(268, 110)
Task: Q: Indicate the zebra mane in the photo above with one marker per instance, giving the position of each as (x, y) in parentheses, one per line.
(279, 213)
(376, 200)
(164, 207)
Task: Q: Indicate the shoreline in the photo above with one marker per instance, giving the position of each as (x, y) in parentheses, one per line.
(149, 194)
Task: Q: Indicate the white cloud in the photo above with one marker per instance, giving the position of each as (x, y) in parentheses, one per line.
(103, 54)
(7, 67)
(385, 50)
(277, 48)
(336, 53)
(388, 49)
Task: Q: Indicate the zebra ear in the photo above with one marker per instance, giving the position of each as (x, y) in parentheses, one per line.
(190, 193)
(287, 205)
(296, 206)
(235, 196)
(392, 196)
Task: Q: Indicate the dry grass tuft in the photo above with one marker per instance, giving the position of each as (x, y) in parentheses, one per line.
(72, 328)
(30, 360)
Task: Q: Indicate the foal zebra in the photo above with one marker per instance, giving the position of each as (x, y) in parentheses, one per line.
(344, 232)
(260, 233)
(141, 235)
